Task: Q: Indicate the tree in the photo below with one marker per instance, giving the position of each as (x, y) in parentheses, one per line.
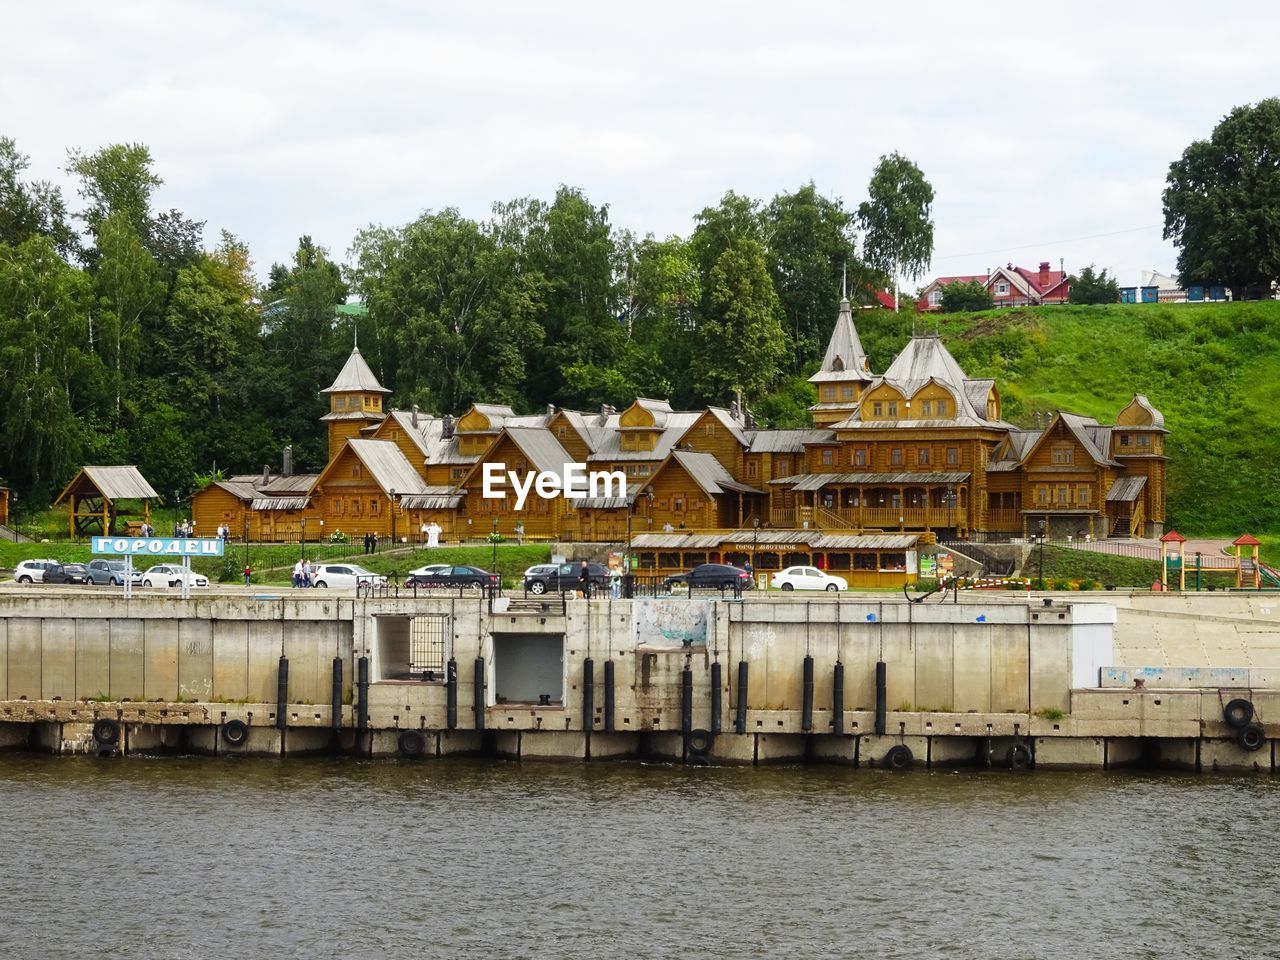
(966, 297)
(811, 253)
(1094, 288)
(1222, 203)
(30, 209)
(899, 233)
(739, 338)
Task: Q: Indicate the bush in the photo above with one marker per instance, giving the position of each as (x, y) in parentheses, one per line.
(337, 537)
(229, 571)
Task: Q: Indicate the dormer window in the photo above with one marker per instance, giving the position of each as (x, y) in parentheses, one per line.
(1002, 288)
(941, 407)
(926, 408)
(877, 409)
(837, 365)
(893, 408)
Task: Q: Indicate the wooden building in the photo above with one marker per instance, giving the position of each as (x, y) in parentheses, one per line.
(107, 500)
(920, 449)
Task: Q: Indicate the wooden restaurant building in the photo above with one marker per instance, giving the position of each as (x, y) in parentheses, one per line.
(890, 460)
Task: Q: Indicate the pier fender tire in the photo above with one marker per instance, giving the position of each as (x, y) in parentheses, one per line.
(699, 742)
(106, 732)
(698, 760)
(1251, 737)
(411, 743)
(1018, 757)
(235, 732)
(1238, 712)
(899, 758)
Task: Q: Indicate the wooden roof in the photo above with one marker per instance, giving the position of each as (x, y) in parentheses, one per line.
(110, 483)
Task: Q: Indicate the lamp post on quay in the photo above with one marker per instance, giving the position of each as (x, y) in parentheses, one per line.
(1040, 536)
(302, 541)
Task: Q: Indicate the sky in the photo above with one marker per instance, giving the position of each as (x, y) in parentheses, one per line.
(1046, 131)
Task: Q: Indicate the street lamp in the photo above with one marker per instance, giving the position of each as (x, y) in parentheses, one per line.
(1041, 537)
(755, 542)
(951, 502)
(246, 540)
(302, 541)
(393, 517)
(493, 539)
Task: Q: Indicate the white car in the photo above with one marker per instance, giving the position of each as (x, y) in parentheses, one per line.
(169, 575)
(429, 569)
(807, 578)
(340, 575)
(31, 571)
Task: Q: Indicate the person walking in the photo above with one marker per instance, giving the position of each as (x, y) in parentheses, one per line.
(297, 574)
(519, 533)
(615, 584)
(247, 574)
(584, 581)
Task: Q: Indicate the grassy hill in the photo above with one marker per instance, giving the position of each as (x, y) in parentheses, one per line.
(1212, 369)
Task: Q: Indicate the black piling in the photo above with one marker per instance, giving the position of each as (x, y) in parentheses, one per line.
(837, 700)
(882, 696)
(477, 696)
(335, 695)
(608, 696)
(686, 701)
(451, 694)
(362, 694)
(806, 702)
(282, 693)
(588, 694)
(717, 700)
(740, 719)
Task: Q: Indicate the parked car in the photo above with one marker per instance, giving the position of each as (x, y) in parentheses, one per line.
(170, 575)
(429, 568)
(111, 572)
(554, 577)
(455, 577)
(715, 576)
(66, 573)
(807, 578)
(344, 576)
(31, 571)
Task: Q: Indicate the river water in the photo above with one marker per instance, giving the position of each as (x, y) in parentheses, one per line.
(229, 858)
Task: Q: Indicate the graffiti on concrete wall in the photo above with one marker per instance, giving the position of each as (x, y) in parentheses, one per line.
(671, 623)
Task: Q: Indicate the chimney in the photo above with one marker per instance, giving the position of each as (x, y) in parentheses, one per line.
(266, 474)
(604, 411)
(735, 411)
(287, 461)
(551, 409)
(446, 427)
(1044, 273)
(750, 420)
(413, 416)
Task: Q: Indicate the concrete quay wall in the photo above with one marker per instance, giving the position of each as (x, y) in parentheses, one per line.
(976, 682)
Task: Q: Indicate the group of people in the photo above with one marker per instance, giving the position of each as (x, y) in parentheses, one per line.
(224, 532)
(370, 543)
(182, 529)
(302, 573)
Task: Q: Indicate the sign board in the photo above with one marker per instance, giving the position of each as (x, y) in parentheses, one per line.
(158, 546)
(928, 566)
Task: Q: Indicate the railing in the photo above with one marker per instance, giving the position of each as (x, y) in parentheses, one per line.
(643, 585)
(1009, 518)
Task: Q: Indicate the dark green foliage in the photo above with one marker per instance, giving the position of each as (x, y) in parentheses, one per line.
(1222, 203)
(966, 297)
(1091, 288)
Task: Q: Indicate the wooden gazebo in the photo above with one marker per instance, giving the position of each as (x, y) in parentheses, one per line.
(93, 497)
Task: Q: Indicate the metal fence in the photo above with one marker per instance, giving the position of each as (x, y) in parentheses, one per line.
(427, 636)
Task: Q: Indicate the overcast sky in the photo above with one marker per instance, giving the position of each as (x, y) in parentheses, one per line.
(1038, 124)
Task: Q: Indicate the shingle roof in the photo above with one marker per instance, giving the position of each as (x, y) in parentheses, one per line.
(816, 481)
(787, 441)
(676, 425)
(388, 466)
(114, 483)
(1126, 489)
(541, 447)
(845, 359)
(709, 473)
(355, 377)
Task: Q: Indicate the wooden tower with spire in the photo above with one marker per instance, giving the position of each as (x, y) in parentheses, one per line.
(355, 402)
(844, 373)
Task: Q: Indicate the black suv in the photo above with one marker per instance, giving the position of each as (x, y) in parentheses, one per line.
(715, 576)
(66, 573)
(565, 577)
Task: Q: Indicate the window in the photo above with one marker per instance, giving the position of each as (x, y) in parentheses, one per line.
(877, 409)
(893, 408)
(457, 473)
(1064, 495)
(562, 431)
(860, 457)
(828, 393)
(355, 469)
(922, 457)
(926, 408)
(1124, 440)
(1002, 289)
(710, 429)
(678, 505)
(1062, 455)
(375, 506)
(753, 468)
(935, 297)
(895, 456)
(1042, 494)
(828, 458)
(337, 506)
(1082, 495)
(1144, 440)
(941, 406)
(953, 456)
(339, 403)
(783, 467)
(355, 506)
(846, 393)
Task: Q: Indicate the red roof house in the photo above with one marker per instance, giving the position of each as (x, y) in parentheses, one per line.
(1010, 286)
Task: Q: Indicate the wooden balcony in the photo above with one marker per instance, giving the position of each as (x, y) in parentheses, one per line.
(882, 518)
